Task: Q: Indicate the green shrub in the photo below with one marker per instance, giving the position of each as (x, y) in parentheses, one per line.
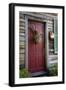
(53, 70)
(24, 73)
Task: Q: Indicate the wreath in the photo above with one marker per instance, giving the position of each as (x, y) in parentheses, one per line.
(36, 37)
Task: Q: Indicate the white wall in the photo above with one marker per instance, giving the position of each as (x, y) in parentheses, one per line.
(4, 43)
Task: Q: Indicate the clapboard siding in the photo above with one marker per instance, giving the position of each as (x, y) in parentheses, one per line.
(21, 27)
(21, 62)
(22, 46)
(50, 26)
(22, 50)
(21, 31)
(22, 56)
(52, 59)
(22, 34)
(22, 24)
(21, 39)
(22, 20)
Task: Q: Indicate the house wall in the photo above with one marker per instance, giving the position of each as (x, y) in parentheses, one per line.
(21, 40)
(49, 18)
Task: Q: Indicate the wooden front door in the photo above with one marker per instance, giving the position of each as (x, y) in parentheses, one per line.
(36, 46)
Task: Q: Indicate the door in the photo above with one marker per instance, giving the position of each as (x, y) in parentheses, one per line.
(36, 46)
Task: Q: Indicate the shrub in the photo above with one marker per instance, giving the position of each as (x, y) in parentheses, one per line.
(24, 73)
(53, 70)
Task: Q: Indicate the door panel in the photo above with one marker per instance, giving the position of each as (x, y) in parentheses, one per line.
(36, 51)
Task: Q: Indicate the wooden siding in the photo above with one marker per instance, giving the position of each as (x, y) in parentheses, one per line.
(21, 39)
(52, 57)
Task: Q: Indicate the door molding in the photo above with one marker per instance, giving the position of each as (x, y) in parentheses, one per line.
(46, 39)
(26, 30)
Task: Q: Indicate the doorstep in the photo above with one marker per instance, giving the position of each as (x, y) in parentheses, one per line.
(39, 74)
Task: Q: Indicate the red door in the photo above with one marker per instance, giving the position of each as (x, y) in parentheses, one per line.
(36, 47)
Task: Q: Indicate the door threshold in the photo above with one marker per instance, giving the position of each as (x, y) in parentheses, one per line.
(41, 73)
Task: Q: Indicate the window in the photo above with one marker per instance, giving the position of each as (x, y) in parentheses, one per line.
(53, 38)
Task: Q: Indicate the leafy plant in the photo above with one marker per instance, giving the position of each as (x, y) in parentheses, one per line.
(53, 71)
(24, 73)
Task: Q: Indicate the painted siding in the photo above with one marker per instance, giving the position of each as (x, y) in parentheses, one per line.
(21, 39)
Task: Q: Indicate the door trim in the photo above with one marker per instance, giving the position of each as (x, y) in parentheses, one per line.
(46, 40)
(26, 30)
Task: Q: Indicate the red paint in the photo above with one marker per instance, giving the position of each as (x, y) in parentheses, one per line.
(36, 52)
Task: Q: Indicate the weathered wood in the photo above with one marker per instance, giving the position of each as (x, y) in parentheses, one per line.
(50, 24)
(22, 51)
(22, 43)
(22, 56)
(21, 31)
(22, 24)
(50, 21)
(22, 34)
(49, 28)
(21, 15)
(21, 27)
(22, 46)
(22, 38)
(21, 20)
(21, 61)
